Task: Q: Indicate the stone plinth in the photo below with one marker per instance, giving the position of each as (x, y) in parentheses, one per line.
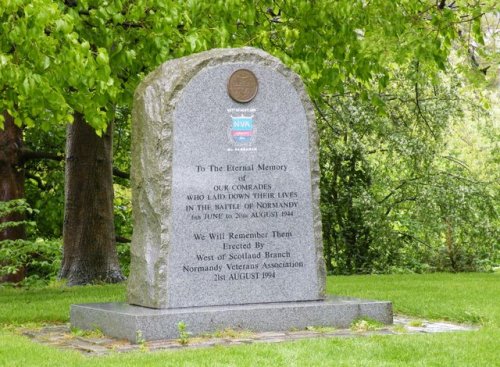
(134, 323)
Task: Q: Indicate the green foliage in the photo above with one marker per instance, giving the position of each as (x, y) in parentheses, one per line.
(123, 225)
(44, 184)
(123, 250)
(7, 208)
(394, 196)
(123, 210)
(89, 56)
(139, 338)
(386, 94)
(40, 258)
(329, 43)
(183, 333)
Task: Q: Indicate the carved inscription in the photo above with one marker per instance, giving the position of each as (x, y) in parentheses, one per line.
(242, 255)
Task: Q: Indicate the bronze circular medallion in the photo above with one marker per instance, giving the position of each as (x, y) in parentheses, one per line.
(242, 86)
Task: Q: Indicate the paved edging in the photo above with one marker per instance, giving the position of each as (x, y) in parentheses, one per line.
(60, 336)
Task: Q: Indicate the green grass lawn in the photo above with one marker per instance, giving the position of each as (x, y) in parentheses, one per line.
(471, 298)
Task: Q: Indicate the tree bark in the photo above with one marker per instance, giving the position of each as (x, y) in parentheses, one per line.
(89, 237)
(11, 183)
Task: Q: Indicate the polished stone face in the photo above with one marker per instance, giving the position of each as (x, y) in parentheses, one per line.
(225, 193)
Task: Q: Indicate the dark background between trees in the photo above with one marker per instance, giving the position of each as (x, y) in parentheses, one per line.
(403, 92)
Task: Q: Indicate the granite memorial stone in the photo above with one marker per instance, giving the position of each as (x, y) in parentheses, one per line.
(225, 182)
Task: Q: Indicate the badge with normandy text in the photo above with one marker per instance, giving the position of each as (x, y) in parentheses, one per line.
(242, 129)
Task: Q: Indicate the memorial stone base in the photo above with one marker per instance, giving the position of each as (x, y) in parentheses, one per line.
(135, 323)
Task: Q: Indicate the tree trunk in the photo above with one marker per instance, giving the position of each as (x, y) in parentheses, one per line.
(11, 183)
(88, 233)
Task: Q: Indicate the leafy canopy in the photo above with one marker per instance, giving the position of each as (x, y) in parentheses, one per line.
(58, 57)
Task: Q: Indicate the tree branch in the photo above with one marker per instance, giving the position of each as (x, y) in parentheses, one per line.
(128, 25)
(469, 19)
(400, 201)
(407, 235)
(28, 155)
(419, 110)
(121, 174)
(393, 191)
(457, 161)
(120, 239)
(324, 118)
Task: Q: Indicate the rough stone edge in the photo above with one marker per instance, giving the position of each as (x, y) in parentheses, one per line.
(148, 288)
(315, 176)
(138, 323)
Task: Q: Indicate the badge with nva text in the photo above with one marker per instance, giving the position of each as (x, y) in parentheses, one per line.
(242, 128)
